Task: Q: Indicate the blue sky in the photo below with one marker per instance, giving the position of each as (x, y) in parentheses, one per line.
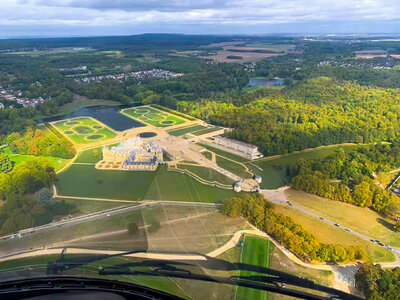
(123, 17)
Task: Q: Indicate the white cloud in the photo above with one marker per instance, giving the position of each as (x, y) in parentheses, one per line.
(188, 12)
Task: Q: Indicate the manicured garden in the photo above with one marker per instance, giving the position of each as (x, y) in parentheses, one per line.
(207, 174)
(185, 130)
(84, 130)
(152, 116)
(207, 130)
(234, 167)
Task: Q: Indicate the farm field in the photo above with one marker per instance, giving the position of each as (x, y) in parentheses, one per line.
(182, 131)
(56, 162)
(274, 168)
(267, 46)
(333, 235)
(84, 130)
(367, 222)
(207, 174)
(255, 251)
(222, 56)
(86, 181)
(152, 116)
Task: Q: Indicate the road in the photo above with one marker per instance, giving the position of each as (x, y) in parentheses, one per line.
(342, 273)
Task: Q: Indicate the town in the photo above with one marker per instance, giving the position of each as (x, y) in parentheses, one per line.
(154, 73)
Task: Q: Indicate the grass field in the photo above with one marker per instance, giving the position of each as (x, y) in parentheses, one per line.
(367, 221)
(84, 130)
(152, 116)
(182, 131)
(56, 162)
(333, 235)
(90, 156)
(255, 251)
(88, 206)
(86, 181)
(233, 167)
(274, 169)
(182, 229)
(207, 174)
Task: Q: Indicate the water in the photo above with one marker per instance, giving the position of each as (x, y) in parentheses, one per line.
(108, 115)
(265, 82)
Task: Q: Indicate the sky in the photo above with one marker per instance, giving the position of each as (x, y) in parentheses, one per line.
(41, 18)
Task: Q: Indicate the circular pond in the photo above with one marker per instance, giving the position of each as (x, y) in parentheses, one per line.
(71, 123)
(146, 135)
(167, 122)
(69, 132)
(83, 129)
(94, 137)
(97, 127)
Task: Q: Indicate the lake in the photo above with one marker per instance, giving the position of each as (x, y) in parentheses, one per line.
(264, 82)
(108, 115)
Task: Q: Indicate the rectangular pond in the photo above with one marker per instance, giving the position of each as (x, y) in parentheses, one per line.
(108, 115)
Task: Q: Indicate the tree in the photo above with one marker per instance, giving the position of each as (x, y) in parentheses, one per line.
(133, 228)
(397, 226)
(6, 164)
(363, 194)
(45, 196)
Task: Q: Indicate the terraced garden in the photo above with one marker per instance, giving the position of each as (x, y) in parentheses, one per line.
(84, 130)
(152, 116)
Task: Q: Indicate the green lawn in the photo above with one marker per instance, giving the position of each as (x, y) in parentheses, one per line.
(207, 130)
(89, 206)
(255, 251)
(90, 156)
(330, 234)
(86, 181)
(56, 162)
(84, 130)
(152, 116)
(367, 222)
(233, 167)
(182, 131)
(274, 169)
(207, 174)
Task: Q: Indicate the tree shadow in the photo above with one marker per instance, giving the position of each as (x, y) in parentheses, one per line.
(385, 223)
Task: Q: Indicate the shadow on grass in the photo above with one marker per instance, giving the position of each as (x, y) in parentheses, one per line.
(385, 223)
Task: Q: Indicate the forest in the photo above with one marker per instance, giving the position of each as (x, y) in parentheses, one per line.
(256, 209)
(315, 112)
(27, 198)
(349, 177)
(378, 283)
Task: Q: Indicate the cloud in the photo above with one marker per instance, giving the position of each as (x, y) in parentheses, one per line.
(188, 13)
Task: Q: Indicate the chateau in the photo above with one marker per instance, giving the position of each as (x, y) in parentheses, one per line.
(132, 154)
